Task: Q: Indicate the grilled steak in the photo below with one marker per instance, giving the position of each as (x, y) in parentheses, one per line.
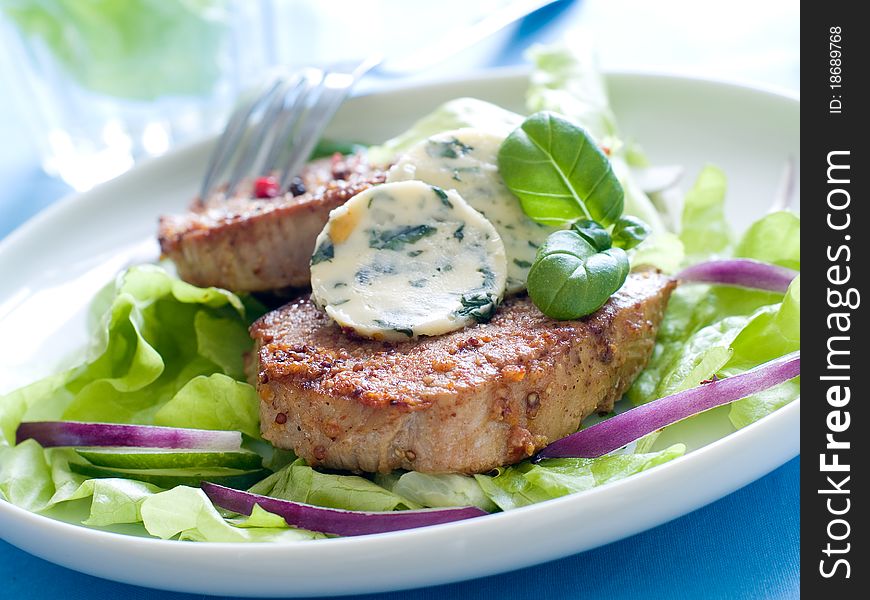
(465, 402)
(258, 244)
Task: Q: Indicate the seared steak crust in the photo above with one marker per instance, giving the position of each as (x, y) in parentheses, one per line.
(258, 244)
(466, 402)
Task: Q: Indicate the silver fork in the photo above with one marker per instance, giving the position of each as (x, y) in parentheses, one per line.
(295, 108)
(277, 127)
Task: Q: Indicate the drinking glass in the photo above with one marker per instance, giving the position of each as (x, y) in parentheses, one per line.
(105, 83)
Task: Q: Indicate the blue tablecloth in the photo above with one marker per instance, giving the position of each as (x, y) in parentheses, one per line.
(743, 546)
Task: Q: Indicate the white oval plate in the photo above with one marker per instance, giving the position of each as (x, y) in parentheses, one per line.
(54, 264)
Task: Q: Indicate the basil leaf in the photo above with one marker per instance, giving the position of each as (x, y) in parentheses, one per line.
(570, 279)
(629, 232)
(558, 172)
(594, 233)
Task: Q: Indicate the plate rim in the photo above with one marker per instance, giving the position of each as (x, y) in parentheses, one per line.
(500, 73)
(677, 469)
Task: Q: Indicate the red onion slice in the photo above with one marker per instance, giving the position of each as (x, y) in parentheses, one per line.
(75, 433)
(335, 521)
(616, 432)
(741, 272)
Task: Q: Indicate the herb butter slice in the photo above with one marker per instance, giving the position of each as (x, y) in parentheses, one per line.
(405, 259)
(466, 160)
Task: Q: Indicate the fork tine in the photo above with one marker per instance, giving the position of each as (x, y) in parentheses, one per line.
(229, 139)
(256, 141)
(330, 92)
(333, 90)
(297, 109)
(287, 120)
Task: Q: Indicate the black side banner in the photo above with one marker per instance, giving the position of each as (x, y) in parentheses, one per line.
(834, 177)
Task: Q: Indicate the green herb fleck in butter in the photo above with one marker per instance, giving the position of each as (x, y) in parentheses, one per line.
(418, 260)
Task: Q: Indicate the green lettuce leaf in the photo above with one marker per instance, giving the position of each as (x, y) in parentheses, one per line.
(509, 489)
(442, 490)
(213, 402)
(44, 480)
(16, 404)
(163, 352)
(776, 331)
(187, 513)
(260, 518)
(25, 476)
(704, 229)
(748, 410)
(183, 511)
(686, 315)
(66, 483)
(686, 364)
(727, 347)
(300, 483)
(455, 114)
(721, 329)
(637, 202)
(114, 501)
(562, 476)
(525, 483)
(155, 335)
(565, 79)
(775, 238)
(724, 347)
(662, 250)
(218, 339)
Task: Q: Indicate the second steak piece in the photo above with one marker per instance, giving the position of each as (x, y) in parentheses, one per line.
(466, 402)
(249, 244)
